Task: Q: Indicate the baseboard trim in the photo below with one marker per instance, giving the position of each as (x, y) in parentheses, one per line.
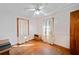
(57, 46)
(61, 47)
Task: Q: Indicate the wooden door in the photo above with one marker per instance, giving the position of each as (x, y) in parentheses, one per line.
(74, 32)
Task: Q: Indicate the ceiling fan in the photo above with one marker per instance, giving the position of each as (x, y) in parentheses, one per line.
(37, 9)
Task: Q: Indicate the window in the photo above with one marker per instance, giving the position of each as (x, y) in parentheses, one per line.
(48, 29)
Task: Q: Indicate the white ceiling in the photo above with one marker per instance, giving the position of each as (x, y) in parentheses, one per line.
(18, 8)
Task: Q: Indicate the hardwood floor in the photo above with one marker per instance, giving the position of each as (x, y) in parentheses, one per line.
(34, 47)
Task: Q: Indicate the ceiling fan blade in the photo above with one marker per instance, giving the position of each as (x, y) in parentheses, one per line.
(29, 9)
(43, 12)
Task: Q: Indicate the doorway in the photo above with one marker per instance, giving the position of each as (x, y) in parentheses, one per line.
(22, 29)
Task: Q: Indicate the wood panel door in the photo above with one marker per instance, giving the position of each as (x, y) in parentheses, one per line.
(74, 32)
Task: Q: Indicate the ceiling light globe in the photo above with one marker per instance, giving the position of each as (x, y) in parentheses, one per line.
(37, 12)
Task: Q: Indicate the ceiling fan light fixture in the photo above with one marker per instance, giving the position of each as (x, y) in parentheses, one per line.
(37, 12)
(37, 9)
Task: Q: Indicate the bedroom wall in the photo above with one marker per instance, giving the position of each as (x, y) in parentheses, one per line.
(8, 27)
(62, 26)
(35, 25)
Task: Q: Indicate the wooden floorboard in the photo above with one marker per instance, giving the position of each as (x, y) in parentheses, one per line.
(34, 47)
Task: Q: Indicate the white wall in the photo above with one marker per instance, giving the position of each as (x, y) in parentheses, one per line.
(62, 26)
(8, 27)
(35, 25)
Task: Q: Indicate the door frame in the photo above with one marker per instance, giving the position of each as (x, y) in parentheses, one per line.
(18, 18)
